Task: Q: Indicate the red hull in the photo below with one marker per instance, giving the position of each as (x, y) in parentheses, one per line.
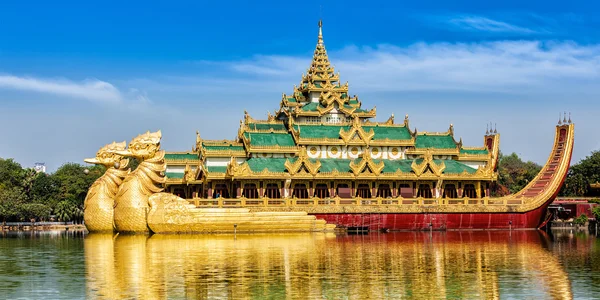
(397, 222)
(456, 221)
(442, 221)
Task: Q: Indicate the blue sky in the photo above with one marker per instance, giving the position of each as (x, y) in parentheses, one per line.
(75, 75)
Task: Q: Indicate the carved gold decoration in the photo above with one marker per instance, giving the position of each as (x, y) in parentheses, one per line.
(131, 205)
(366, 164)
(420, 168)
(98, 207)
(357, 134)
(302, 161)
(236, 170)
(189, 175)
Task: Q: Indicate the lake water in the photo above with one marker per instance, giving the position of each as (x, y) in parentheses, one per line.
(419, 265)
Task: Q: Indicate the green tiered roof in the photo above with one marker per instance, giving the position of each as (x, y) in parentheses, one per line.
(267, 126)
(174, 175)
(270, 139)
(223, 148)
(474, 151)
(389, 132)
(258, 164)
(435, 141)
(181, 156)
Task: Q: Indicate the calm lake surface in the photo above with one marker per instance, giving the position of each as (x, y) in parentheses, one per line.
(449, 265)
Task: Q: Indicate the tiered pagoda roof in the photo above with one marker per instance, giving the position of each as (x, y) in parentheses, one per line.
(341, 148)
(321, 92)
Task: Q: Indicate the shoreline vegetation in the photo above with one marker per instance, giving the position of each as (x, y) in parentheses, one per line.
(28, 196)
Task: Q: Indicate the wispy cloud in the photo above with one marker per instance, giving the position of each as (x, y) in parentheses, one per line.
(502, 66)
(479, 23)
(91, 89)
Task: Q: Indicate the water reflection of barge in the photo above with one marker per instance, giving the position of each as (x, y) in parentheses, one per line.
(457, 265)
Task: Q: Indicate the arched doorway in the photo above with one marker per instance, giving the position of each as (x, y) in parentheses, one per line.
(470, 191)
(384, 191)
(221, 191)
(363, 191)
(424, 191)
(272, 191)
(450, 191)
(250, 191)
(300, 191)
(321, 191)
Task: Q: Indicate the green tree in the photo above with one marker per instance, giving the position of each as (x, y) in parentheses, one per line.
(11, 201)
(64, 210)
(580, 176)
(45, 190)
(35, 211)
(514, 174)
(74, 182)
(596, 213)
(11, 173)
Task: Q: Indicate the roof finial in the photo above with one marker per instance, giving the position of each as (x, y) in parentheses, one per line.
(565, 118)
(495, 128)
(559, 121)
(570, 118)
(320, 42)
(487, 129)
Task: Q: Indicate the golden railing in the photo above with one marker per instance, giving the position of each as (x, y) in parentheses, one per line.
(336, 201)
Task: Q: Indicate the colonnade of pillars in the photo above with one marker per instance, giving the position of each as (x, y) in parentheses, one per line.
(305, 189)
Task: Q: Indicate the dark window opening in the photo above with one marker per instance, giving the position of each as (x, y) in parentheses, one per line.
(300, 191)
(221, 191)
(363, 191)
(424, 191)
(272, 191)
(450, 191)
(384, 191)
(250, 191)
(321, 191)
(470, 191)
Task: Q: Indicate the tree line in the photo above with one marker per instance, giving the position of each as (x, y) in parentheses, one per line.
(27, 195)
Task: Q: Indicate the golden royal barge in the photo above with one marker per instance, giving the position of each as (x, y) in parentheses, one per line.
(319, 159)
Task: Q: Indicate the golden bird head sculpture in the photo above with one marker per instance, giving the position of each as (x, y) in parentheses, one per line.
(144, 146)
(109, 156)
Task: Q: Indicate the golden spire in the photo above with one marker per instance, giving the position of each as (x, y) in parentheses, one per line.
(320, 42)
(320, 70)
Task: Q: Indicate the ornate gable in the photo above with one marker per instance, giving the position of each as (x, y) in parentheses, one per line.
(428, 165)
(236, 170)
(366, 165)
(356, 133)
(303, 164)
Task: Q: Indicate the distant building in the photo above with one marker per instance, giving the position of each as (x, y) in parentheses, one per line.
(40, 167)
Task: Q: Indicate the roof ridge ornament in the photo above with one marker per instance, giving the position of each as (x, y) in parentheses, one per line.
(559, 121)
(320, 41)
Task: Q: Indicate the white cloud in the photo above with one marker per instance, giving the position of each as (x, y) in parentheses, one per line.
(91, 89)
(502, 66)
(479, 23)
(520, 85)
